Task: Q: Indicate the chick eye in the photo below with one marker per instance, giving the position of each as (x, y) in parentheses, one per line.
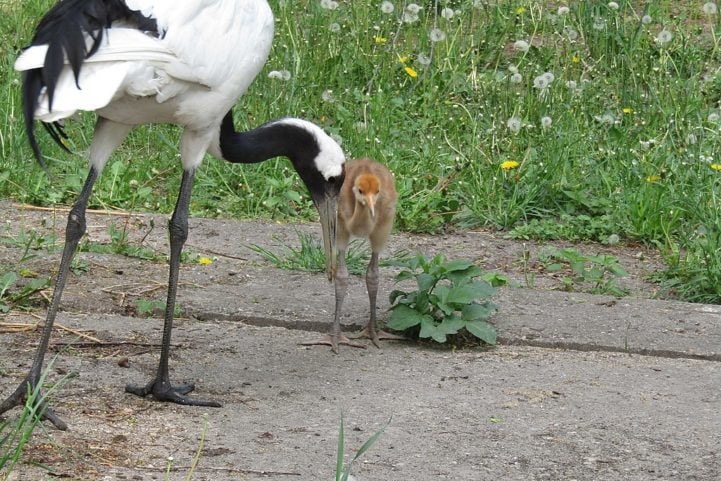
(360, 191)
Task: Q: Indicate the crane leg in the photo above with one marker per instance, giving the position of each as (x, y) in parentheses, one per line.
(336, 337)
(160, 387)
(73, 233)
(370, 331)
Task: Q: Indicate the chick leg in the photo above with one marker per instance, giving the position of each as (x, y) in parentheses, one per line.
(336, 337)
(370, 331)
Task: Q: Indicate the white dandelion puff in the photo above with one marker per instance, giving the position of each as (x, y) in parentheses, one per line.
(516, 78)
(571, 85)
(521, 46)
(279, 74)
(437, 35)
(334, 27)
(599, 23)
(447, 13)
(563, 10)
(549, 77)
(646, 19)
(413, 8)
(546, 121)
(541, 82)
(710, 8)
(327, 96)
(713, 117)
(387, 7)
(513, 69)
(424, 59)
(613, 5)
(571, 33)
(328, 4)
(514, 124)
(607, 119)
(664, 36)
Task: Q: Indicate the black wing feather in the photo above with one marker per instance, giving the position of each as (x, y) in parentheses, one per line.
(63, 29)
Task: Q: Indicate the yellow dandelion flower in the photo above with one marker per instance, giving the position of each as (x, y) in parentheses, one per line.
(205, 261)
(716, 167)
(520, 10)
(403, 58)
(627, 110)
(380, 39)
(411, 73)
(510, 165)
(576, 59)
(653, 178)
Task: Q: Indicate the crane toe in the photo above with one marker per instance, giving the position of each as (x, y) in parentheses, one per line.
(164, 392)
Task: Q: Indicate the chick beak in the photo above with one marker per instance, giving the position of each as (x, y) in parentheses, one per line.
(371, 201)
(327, 209)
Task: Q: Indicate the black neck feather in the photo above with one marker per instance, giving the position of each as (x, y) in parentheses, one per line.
(274, 139)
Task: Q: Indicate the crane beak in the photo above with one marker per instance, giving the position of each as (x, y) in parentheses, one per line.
(328, 209)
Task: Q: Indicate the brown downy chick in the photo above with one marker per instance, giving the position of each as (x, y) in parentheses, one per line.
(366, 209)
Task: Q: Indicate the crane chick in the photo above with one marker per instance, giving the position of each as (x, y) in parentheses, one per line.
(366, 209)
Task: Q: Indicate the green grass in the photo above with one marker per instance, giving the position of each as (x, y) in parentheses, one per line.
(630, 150)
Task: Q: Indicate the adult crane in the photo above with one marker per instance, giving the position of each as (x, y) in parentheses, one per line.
(162, 61)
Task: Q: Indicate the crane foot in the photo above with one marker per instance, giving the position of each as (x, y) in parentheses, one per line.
(20, 398)
(164, 392)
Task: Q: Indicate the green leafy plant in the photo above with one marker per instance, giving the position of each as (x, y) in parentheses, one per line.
(149, 307)
(343, 474)
(451, 296)
(597, 274)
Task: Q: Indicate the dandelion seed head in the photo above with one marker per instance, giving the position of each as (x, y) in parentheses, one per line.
(599, 23)
(571, 85)
(563, 10)
(546, 121)
(541, 82)
(410, 17)
(334, 27)
(424, 59)
(447, 13)
(713, 117)
(513, 69)
(613, 239)
(613, 5)
(437, 35)
(387, 7)
(516, 78)
(646, 19)
(606, 119)
(279, 75)
(664, 36)
(327, 96)
(549, 77)
(514, 124)
(477, 3)
(328, 4)
(571, 33)
(710, 8)
(521, 46)
(413, 8)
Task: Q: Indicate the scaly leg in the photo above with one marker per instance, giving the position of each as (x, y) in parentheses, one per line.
(160, 387)
(73, 233)
(372, 285)
(336, 337)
